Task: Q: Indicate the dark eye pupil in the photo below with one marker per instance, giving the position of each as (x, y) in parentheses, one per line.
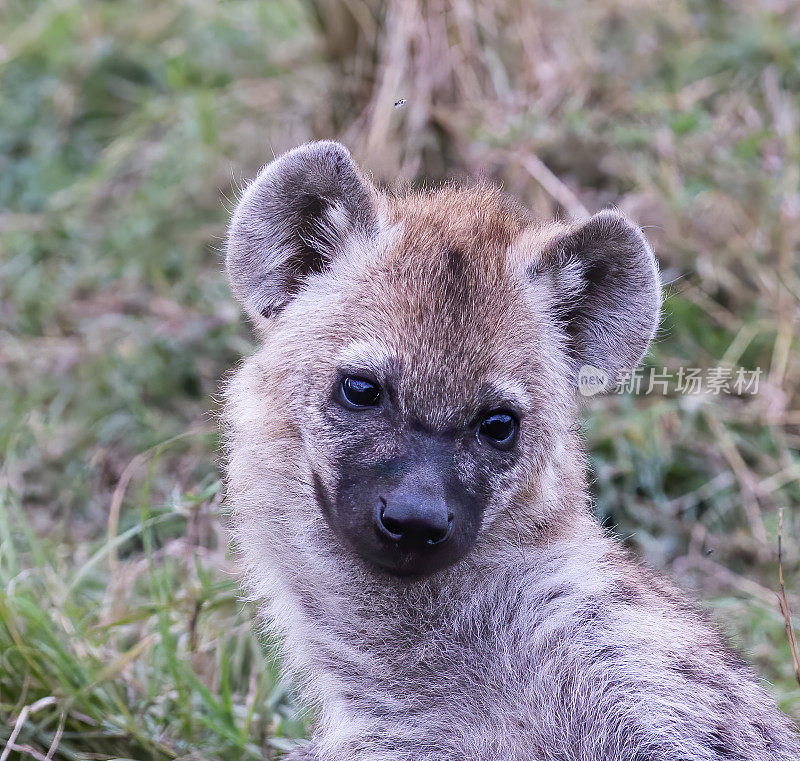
(498, 426)
(360, 392)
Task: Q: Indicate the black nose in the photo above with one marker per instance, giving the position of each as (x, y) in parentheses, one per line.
(413, 519)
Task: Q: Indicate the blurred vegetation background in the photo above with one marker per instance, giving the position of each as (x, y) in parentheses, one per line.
(126, 131)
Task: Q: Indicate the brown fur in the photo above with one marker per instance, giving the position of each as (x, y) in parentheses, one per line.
(539, 638)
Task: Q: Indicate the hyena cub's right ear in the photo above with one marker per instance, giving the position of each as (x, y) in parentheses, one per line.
(292, 220)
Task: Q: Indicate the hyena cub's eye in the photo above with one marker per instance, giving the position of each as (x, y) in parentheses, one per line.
(498, 428)
(359, 392)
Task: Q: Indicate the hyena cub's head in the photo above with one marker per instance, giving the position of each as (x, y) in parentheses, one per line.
(412, 398)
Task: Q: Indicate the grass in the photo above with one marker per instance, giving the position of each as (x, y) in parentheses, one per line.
(125, 130)
(153, 660)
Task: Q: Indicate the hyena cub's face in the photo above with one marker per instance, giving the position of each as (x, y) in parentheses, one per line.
(422, 350)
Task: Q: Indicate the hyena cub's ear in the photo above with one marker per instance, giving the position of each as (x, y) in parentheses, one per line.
(292, 220)
(607, 292)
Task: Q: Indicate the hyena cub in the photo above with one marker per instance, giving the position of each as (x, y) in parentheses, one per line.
(408, 489)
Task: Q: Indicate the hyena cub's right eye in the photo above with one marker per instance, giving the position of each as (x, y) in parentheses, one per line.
(359, 392)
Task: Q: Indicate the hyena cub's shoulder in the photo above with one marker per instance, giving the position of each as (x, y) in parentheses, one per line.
(408, 492)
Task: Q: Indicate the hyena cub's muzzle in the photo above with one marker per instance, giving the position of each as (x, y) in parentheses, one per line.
(409, 512)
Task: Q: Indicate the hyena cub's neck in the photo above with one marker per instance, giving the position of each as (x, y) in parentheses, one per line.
(367, 650)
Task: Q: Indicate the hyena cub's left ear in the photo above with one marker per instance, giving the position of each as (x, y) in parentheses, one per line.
(607, 293)
(292, 220)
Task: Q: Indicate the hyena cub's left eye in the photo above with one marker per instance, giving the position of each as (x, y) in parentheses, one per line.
(359, 392)
(498, 428)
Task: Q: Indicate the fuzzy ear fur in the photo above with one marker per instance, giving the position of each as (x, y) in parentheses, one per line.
(607, 292)
(292, 220)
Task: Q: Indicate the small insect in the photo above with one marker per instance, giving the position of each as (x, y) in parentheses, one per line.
(399, 103)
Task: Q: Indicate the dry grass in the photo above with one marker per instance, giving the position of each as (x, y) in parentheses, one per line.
(783, 603)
